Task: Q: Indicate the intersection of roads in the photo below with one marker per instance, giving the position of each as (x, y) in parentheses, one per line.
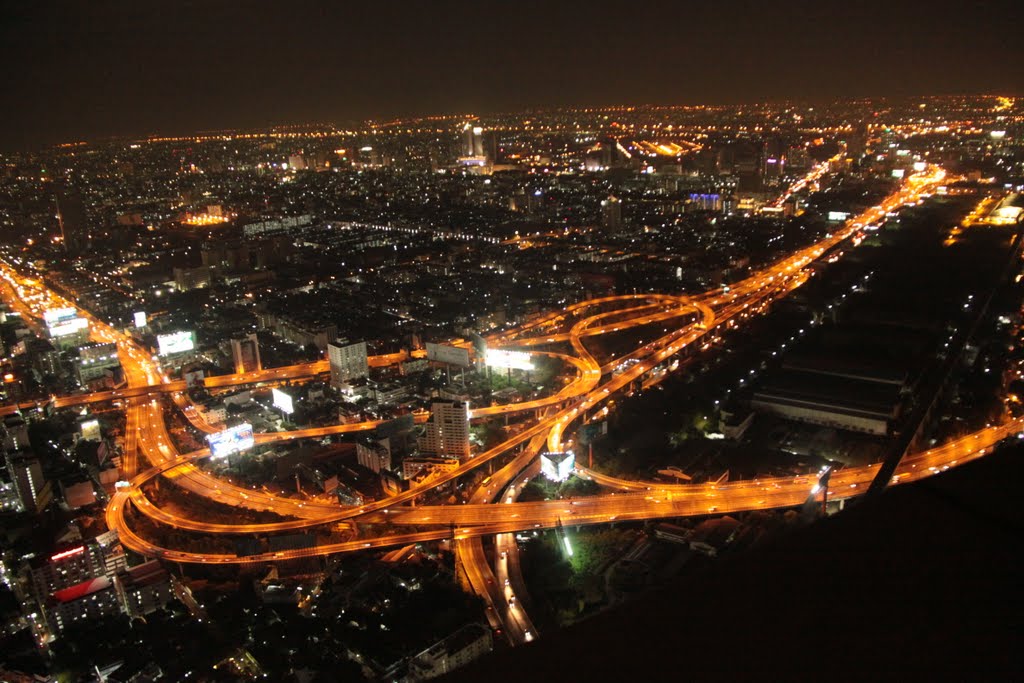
(687, 321)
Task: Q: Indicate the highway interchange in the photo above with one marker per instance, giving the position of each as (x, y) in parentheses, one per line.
(492, 509)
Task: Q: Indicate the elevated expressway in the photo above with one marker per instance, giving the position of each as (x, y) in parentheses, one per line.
(482, 517)
(478, 520)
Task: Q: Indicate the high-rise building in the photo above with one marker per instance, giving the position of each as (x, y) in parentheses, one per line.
(773, 159)
(74, 225)
(611, 214)
(246, 354)
(26, 473)
(797, 159)
(89, 599)
(91, 580)
(749, 167)
(348, 361)
(728, 204)
(857, 141)
(374, 454)
(472, 141)
(475, 156)
(186, 279)
(447, 431)
(101, 556)
(14, 432)
(144, 588)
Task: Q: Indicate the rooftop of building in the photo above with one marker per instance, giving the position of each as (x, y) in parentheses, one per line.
(830, 391)
(458, 640)
(860, 366)
(144, 574)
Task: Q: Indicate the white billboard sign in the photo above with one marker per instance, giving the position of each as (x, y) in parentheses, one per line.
(140, 319)
(452, 355)
(67, 326)
(557, 466)
(56, 315)
(283, 401)
(176, 342)
(503, 358)
(232, 440)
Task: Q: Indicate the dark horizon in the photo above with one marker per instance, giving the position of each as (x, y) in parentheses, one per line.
(113, 69)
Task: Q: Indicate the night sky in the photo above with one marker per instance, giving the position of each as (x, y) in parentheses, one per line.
(85, 69)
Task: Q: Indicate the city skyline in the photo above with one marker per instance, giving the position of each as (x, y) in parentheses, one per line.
(485, 341)
(115, 69)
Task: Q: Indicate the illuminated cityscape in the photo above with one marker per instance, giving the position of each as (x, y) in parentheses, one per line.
(496, 394)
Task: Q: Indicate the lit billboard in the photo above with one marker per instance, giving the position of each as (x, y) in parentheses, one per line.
(557, 466)
(452, 355)
(232, 440)
(176, 342)
(67, 326)
(56, 315)
(140, 319)
(90, 429)
(838, 215)
(283, 401)
(503, 358)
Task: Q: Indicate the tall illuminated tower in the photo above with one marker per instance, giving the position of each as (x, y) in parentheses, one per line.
(74, 228)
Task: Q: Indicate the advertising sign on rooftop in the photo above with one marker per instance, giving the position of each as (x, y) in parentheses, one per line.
(232, 440)
(503, 358)
(452, 355)
(557, 466)
(283, 401)
(176, 342)
(67, 326)
(56, 315)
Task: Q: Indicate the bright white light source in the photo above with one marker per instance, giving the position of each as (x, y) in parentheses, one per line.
(176, 342)
(283, 401)
(503, 358)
